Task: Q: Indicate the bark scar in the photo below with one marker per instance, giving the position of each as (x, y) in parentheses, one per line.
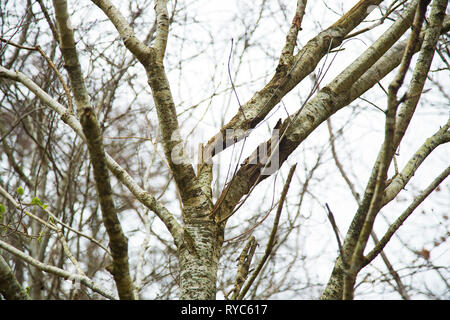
(189, 243)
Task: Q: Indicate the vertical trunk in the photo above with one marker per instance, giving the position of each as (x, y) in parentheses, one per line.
(199, 258)
(38, 247)
(37, 276)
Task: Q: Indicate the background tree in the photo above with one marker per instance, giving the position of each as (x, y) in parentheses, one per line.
(166, 150)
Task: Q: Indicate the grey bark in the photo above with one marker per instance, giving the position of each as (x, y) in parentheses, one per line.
(9, 286)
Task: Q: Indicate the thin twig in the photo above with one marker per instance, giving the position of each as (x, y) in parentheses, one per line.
(52, 66)
(57, 271)
(231, 79)
(244, 262)
(335, 228)
(402, 218)
(272, 236)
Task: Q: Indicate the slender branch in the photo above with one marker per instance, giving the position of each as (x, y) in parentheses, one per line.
(272, 236)
(290, 72)
(231, 78)
(49, 20)
(162, 28)
(25, 24)
(52, 66)
(142, 250)
(401, 288)
(151, 59)
(335, 228)
(244, 261)
(9, 153)
(385, 156)
(126, 32)
(53, 227)
(57, 271)
(7, 196)
(118, 242)
(353, 72)
(121, 174)
(402, 178)
(392, 7)
(339, 164)
(405, 215)
(291, 37)
(421, 69)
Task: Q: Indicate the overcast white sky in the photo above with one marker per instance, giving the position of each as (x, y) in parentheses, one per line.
(204, 48)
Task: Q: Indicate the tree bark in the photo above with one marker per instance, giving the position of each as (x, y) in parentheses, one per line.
(9, 286)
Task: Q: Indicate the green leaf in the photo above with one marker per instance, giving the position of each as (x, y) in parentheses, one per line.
(36, 201)
(28, 289)
(44, 206)
(2, 208)
(20, 191)
(39, 238)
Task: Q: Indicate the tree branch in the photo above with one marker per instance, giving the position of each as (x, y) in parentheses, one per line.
(272, 236)
(152, 60)
(57, 271)
(162, 29)
(244, 261)
(405, 215)
(385, 156)
(118, 242)
(291, 37)
(126, 32)
(296, 128)
(288, 74)
(401, 288)
(402, 178)
(121, 174)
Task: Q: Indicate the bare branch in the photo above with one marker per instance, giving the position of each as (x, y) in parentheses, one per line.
(296, 128)
(152, 60)
(335, 228)
(385, 157)
(402, 218)
(401, 288)
(143, 196)
(52, 66)
(137, 47)
(291, 37)
(244, 261)
(287, 75)
(118, 242)
(57, 271)
(273, 233)
(402, 178)
(162, 30)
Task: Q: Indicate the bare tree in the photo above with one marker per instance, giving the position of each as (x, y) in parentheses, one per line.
(115, 191)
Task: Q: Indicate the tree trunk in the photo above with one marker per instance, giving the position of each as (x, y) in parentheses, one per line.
(199, 258)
